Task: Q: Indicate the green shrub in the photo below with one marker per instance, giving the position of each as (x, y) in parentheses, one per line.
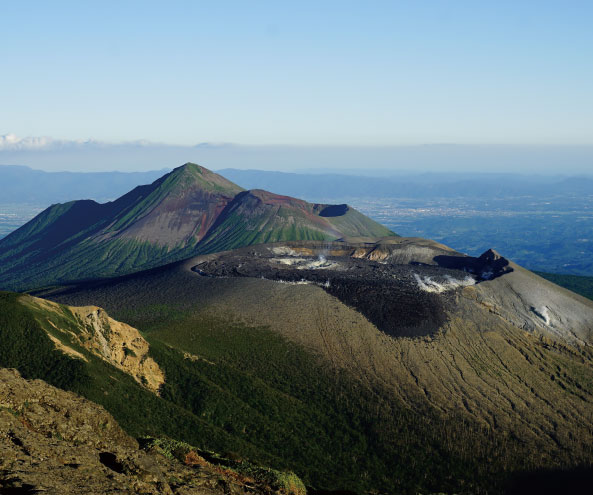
(285, 482)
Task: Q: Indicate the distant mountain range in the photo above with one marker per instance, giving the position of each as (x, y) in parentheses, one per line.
(54, 154)
(20, 184)
(424, 186)
(188, 211)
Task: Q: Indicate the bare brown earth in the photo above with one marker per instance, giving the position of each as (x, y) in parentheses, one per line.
(55, 442)
(185, 215)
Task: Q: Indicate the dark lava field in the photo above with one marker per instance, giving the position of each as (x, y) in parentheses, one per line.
(401, 300)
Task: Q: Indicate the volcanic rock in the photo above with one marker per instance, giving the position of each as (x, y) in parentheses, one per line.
(55, 442)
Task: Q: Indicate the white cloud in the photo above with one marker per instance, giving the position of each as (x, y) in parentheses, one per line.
(13, 142)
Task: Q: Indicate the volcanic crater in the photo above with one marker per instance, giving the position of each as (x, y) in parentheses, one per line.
(401, 300)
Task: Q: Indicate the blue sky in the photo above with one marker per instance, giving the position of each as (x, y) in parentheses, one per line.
(299, 73)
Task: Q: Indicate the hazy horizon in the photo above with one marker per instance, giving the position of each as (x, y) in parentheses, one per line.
(93, 156)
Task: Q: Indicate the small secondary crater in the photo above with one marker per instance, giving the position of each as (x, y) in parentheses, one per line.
(334, 211)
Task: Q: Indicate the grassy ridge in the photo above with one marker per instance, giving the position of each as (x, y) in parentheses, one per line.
(354, 223)
(26, 346)
(237, 231)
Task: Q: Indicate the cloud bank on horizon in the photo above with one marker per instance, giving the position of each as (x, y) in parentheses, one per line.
(12, 142)
(47, 153)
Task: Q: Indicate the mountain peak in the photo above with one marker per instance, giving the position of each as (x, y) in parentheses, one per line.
(187, 211)
(193, 176)
(191, 168)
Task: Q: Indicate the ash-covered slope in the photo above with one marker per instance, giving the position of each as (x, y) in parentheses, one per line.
(493, 349)
(188, 211)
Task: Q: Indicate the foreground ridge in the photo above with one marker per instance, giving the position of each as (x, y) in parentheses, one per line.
(55, 442)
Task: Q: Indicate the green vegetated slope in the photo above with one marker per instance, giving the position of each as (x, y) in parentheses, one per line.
(188, 211)
(257, 217)
(39, 340)
(248, 392)
(84, 239)
(25, 344)
(576, 283)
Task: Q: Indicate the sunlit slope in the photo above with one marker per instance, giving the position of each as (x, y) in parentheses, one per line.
(256, 217)
(188, 211)
(510, 383)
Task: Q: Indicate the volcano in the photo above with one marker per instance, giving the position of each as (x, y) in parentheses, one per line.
(303, 336)
(189, 211)
(448, 354)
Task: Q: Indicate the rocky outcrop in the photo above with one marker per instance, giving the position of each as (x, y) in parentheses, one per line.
(117, 343)
(56, 443)
(487, 266)
(120, 344)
